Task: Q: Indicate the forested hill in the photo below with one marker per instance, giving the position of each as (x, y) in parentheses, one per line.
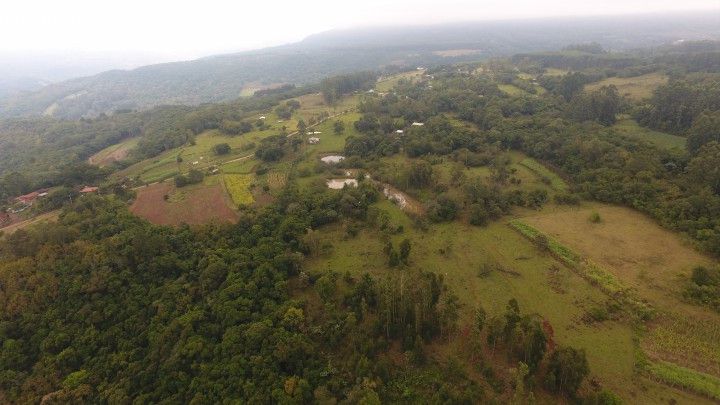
(229, 76)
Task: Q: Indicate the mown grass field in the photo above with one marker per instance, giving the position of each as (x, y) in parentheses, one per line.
(636, 88)
(238, 187)
(630, 128)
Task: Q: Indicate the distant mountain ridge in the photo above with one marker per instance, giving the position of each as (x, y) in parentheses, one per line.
(225, 77)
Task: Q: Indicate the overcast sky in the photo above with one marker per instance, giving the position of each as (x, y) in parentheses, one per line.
(185, 29)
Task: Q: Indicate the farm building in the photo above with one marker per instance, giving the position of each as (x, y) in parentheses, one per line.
(313, 140)
(88, 189)
(418, 124)
(316, 133)
(399, 132)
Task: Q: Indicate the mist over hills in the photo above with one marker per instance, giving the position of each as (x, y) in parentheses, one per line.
(225, 77)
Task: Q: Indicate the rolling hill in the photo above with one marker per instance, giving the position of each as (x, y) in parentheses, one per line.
(225, 77)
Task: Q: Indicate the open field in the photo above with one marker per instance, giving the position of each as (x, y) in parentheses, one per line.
(238, 187)
(113, 153)
(386, 84)
(653, 262)
(196, 204)
(539, 282)
(511, 90)
(546, 176)
(636, 88)
(630, 128)
(555, 72)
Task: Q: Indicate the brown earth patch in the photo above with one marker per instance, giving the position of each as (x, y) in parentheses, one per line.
(192, 205)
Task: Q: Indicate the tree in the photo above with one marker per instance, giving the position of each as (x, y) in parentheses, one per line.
(221, 149)
(704, 168)
(404, 250)
(420, 174)
(338, 127)
(480, 318)
(301, 127)
(705, 129)
(567, 369)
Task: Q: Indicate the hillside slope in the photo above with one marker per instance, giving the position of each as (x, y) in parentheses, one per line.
(226, 77)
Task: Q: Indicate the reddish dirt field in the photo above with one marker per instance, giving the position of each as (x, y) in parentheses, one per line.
(192, 205)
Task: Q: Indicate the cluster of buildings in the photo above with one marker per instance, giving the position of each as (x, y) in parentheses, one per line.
(25, 201)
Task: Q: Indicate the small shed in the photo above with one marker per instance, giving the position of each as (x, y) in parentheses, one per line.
(313, 140)
(418, 124)
(399, 132)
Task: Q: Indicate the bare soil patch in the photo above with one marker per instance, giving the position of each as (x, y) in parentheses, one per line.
(192, 205)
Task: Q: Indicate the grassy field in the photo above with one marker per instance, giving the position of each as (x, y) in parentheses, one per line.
(113, 153)
(630, 128)
(196, 204)
(546, 176)
(636, 88)
(538, 281)
(555, 72)
(238, 187)
(511, 90)
(653, 262)
(387, 84)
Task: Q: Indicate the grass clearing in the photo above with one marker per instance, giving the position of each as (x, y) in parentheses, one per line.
(457, 251)
(636, 88)
(113, 153)
(653, 262)
(630, 128)
(238, 187)
(511, 90)
(546, 176)
(386, 84)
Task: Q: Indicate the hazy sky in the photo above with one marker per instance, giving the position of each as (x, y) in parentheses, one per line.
(185, 29)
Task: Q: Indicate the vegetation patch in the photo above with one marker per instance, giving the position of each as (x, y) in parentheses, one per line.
(630, 128)
(636, 88)
(238, 186)
(686, 378)
(588, 270)
(546, 176)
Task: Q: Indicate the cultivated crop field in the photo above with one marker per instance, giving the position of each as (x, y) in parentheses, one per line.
(197, 204)
(238, 187)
